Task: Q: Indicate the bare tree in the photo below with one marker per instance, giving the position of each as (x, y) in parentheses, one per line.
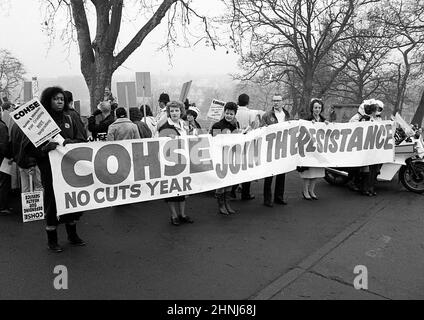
(404, 20)
(291, 38)
(99, 55)
(11, 73)
(366, 71)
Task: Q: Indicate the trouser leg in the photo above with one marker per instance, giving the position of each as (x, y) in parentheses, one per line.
(5, 187)
(267, 189)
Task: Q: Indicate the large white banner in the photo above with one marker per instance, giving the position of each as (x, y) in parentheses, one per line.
(102, 174)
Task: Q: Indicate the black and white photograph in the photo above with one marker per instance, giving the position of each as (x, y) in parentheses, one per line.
(211, 155)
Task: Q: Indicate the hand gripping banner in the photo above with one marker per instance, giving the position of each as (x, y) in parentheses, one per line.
(94, 175)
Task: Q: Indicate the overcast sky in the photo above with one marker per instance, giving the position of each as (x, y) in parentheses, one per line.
(22, 34)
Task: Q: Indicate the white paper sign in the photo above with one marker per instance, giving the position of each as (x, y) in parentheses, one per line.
(32, 206)
(35, 122)
(216, 109)
(6, 167)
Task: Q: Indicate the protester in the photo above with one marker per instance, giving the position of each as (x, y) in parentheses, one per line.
(149, 119)
(122, 128)
(379, 111)
(375, 169)
(74, 113)
(162, 116)
(100, 120)
(26, 163)
(175, 126)
(53, 99)
(193, 126)
(143, 129)
(365, 176)
(6, 108)
(310, 175)
(248, 121)
(228, 124)
(5, 179)
(276, 115)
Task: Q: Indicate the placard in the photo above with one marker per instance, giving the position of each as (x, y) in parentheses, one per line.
(185, 90)
(216, 109)
(35, 122)
(32, 206)
(143, 82)
(126, 94)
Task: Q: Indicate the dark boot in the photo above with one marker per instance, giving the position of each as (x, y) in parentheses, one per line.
(52, 241)
(227, 203)
(73, 238)
(365, 185)
(221, 204)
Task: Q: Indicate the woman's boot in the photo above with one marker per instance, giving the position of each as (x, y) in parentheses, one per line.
(52, 241)
(227, 203)
(73, 238)
(221, 204)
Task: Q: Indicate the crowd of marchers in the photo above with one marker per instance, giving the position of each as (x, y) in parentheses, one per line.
(111, 122)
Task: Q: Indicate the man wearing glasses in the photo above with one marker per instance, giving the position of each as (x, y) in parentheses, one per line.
(276, 115)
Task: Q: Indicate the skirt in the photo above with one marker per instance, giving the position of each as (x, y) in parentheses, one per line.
(312, 173)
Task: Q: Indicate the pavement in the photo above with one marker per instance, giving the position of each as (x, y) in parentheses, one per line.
(305, 250)
(389, 243)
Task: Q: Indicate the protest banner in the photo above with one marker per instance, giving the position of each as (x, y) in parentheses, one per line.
(32, 204)
(144, 87)
(97, 175)
(216, 109)
(126, 94)
(35, 122)
(185, 90)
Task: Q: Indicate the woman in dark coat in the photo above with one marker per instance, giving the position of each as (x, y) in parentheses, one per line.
(53, 99)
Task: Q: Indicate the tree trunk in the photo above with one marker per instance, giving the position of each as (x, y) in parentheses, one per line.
(307, 95)
(99, 78)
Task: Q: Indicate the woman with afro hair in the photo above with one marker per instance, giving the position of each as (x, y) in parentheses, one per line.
(54, 101)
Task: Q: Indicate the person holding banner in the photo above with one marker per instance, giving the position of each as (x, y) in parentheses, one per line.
(53, 100)
(367, 174)
(275, 115)
(173, 127)
(248, 120)
(5, 179)
(311, 175)
(228, 124)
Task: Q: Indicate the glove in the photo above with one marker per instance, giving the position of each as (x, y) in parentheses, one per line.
(97, 112)
(49, 147)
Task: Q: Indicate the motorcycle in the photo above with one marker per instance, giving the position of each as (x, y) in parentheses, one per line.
(409, 154)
